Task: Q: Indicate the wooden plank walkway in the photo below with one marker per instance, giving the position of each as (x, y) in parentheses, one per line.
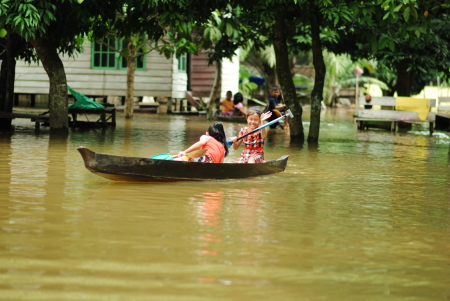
(36, 118)
(368, 116)
(106, 117)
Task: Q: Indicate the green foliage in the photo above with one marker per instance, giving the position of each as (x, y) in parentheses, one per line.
(301, 80)
(245, 86)
(222, 34)
(27, 18)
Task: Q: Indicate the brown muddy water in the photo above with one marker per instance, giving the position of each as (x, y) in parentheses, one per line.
(364, 216)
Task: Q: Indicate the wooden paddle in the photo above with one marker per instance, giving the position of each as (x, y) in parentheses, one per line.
(288, 113)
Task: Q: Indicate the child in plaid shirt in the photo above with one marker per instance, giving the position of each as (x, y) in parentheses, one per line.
(254, 143)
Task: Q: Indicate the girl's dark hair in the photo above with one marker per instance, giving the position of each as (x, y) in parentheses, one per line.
(217, 132)
(237, 98)
(253, 111)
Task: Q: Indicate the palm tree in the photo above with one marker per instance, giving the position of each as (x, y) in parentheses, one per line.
(339, 73)
(264, 63)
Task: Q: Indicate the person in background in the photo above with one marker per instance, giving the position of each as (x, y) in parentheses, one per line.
(227, 105)
(254, 143)
(239, 109)
(276, 108)
(368, 98)
(214, 141)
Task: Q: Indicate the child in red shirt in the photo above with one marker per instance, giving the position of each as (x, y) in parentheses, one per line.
(214, 141)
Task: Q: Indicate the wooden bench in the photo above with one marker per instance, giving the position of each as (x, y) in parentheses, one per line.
(148, 107)
(387, 114)
(107, 116)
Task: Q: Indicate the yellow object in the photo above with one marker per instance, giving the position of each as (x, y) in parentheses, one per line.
(419, 105)
(227, 105)
(278, 113)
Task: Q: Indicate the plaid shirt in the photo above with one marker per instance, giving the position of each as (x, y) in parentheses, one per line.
(253, 147)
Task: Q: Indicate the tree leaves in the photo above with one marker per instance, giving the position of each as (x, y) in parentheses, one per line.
(229, 29)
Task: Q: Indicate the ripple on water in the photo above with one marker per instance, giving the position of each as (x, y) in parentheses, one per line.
(364, 215)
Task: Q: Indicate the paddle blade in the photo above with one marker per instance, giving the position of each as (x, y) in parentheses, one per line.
(229, 143)
(289, 113)
(162, 157)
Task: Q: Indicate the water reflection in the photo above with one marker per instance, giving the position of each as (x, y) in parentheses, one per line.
(127, 137)
(177, 138)
(5, 168)
(26, 170)
(208, 211)
(366, 211)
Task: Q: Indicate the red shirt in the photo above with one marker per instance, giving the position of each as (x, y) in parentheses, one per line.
(216, 150)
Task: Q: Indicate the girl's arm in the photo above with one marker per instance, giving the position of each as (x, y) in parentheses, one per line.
(243, 111)
(264, 116)
(236, 144)
(195, 146)
(280, 106)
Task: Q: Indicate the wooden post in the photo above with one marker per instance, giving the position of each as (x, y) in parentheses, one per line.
(357, 71)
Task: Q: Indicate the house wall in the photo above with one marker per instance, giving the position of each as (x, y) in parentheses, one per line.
(161, 77)
(230, 75)
(203, 76)
(179, 81)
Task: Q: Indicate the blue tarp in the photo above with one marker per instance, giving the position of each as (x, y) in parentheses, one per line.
(257, 80)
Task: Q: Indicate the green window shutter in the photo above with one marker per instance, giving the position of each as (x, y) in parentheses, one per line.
(139, 62)
(105, 58)
(182, 63)
(102, 57)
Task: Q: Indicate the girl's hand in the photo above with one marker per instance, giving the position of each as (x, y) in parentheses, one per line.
(181, 154)
(266, 115)
(233, 139)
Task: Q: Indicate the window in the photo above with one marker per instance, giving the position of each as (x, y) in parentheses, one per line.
(182, 63)
(104, 57)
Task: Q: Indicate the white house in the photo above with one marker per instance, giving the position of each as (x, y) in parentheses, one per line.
(100, 71)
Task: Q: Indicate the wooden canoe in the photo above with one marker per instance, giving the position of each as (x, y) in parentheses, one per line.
(135, 169)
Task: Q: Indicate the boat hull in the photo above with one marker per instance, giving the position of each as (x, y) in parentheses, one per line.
(135, 169)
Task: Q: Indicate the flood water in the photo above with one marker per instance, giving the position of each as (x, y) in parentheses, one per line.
(363, 216)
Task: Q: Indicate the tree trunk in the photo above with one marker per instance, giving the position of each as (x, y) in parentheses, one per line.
(3, 79)
(14, 45)
(405, 79)
(319, 82)
(285, 78)
(58, 104)
(131, 67)
(215, 91)
(270, 79)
